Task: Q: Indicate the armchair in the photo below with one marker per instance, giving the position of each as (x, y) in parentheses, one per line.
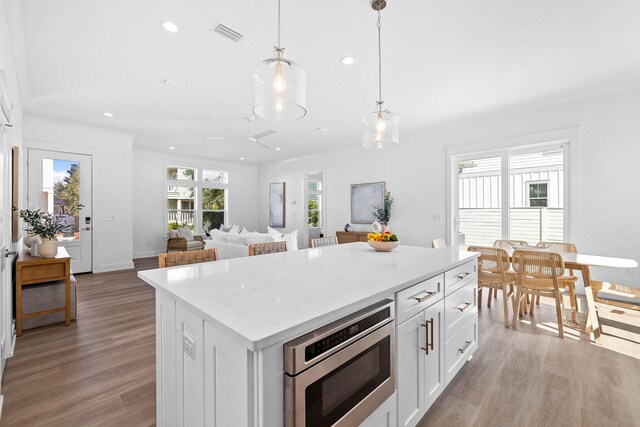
(180, 242)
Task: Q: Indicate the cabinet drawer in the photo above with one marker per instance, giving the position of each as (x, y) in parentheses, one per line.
(460, 276)
(459, 306)
(460, 348)
(413, 300)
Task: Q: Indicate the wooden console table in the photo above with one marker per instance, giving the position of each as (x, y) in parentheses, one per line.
(31, 270)
(351, 236)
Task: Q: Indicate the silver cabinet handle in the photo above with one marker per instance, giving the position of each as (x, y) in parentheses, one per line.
(425, 297)
(463, 275)
(463, 349)
(463, 307)
(428, 345)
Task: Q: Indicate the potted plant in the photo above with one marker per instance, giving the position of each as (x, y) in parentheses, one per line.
(45, 226)
(382, 212)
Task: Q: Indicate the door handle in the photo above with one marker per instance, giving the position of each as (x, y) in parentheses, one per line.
(87, 228)
(8, 253)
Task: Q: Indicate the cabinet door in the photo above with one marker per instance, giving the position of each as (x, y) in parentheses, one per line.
(410, 339)
(434, 380)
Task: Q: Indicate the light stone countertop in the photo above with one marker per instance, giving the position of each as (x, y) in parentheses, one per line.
(269, 299)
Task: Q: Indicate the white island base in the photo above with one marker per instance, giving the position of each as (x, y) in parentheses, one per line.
(221, 327)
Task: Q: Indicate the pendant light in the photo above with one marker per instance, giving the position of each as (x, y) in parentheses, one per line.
(381, 128)
(280, 86)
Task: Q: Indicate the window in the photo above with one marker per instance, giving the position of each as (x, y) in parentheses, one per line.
(314, 203)
(511, 193)
(538, 194)
(196, 198)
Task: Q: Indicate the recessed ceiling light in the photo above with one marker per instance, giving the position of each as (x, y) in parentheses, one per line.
(322, 129)
(172, 148)
(170, 26)
(108, 114)
(347, 60)
(241, 158)
(277, 148)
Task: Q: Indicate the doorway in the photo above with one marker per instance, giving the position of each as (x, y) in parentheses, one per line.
(60, 184)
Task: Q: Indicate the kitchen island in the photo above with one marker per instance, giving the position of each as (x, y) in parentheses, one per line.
(221, 326)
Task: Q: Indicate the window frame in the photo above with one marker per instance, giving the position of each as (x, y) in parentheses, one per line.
(198, 184)
(545, 198)
(568, 139)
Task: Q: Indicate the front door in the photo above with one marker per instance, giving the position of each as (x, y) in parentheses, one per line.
(58, 184)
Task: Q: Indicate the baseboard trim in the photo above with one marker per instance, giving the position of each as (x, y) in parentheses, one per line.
(147, 254)
(113, 267)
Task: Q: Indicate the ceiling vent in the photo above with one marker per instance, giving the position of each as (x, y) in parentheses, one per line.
(227, 32)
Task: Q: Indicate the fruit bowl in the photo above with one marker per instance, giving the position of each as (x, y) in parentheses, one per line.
(384, 246)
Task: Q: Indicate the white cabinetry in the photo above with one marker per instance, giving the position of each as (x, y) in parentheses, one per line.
(433, 345)
(420, 361)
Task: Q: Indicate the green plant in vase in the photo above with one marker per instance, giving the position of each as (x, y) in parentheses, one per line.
(382, 212)
(46, 226)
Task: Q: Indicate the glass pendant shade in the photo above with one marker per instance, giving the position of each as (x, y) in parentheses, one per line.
(280, 90)
(381, 129)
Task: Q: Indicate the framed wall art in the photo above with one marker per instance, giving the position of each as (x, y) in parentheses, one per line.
(363, 199)
(276, 204)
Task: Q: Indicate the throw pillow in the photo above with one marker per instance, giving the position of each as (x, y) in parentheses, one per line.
(218, 236)
(274, 234)
(173, 234)
(225, 228)
(235, 229)
(186, 233)
(292, 240)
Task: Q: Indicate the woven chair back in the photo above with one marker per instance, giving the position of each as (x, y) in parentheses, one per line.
(267, 248)
(506, 244)
(187, 257)
(559, 247)
(323, 241)
(493, 260)
(538, 269)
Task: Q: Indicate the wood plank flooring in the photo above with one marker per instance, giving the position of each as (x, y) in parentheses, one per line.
(100, 371)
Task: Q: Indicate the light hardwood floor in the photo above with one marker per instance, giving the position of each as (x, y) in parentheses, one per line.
(101, 369)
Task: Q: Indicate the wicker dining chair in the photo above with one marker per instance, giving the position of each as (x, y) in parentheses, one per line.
(438, 243)
(493, 273)
(187, 257)
(267, 248)
(541, 272)
(323, 241)
(507, 244)
(568, 248)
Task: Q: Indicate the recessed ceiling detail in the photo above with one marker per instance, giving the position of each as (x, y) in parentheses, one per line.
(227, 32)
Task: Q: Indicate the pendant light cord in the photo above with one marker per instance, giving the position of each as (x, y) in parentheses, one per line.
(278, 47)
(380, 101)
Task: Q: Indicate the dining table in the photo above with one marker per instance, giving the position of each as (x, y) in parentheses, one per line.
(582, 262)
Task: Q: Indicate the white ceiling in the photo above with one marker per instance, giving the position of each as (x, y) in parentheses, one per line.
(442, 59)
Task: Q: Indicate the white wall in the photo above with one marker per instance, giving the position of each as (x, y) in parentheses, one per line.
(149, 235)
(112, 166)
(606, 203)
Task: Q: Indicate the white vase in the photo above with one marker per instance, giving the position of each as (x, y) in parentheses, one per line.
(48, 248)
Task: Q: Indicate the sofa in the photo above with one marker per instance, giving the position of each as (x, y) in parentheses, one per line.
(235, 242)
